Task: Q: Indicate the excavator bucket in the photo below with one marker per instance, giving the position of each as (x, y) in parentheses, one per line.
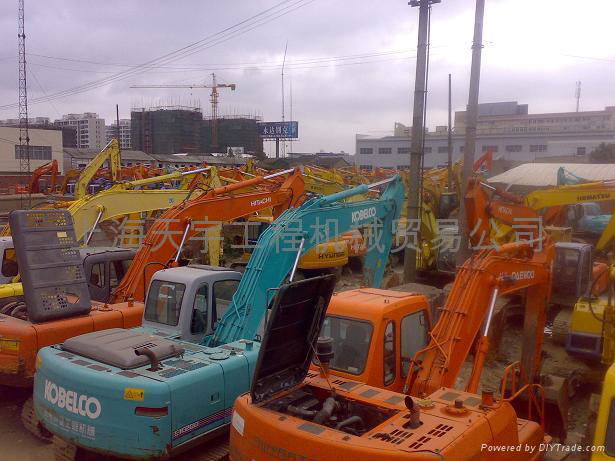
(556, 405)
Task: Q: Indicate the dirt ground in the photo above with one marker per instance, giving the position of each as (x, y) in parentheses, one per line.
(16, 444)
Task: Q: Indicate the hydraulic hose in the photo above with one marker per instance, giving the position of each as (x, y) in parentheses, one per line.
(350, 421)
(326, 411)
(301, 412)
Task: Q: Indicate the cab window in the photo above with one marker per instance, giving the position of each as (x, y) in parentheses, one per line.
(97, 276)
(9, 263)
(389, 353)
(222, 297)
(164, 302)
(199, 311)
(413, 338)
(351, 340)
(117, 270)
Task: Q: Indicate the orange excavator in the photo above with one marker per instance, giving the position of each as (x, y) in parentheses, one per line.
(165, 240)
(325, 417)
(50, 168)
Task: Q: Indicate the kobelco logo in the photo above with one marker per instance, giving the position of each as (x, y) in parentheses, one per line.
(505, 210)
(262, 201)
(521, 275)
(75, 403)
(365, 213)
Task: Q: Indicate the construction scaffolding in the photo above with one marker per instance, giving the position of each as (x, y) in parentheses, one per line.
(166, 129)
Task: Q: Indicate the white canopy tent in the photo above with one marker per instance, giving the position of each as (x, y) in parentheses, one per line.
(538, 175)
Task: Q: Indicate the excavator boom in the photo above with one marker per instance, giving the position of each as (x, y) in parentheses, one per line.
(294, 233)
(111, 152)
(510, 268)
(163, 243)
(48, 168)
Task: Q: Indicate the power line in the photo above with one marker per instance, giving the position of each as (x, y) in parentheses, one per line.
(31, 72)
(365, 54)
(298, 64)
(257, 20)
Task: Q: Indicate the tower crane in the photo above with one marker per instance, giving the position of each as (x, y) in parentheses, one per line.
(213, 98)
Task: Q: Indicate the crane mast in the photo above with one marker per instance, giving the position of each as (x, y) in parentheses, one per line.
(213, 99)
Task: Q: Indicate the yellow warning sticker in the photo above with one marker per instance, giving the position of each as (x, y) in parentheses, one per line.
(61, 234)
(134, 394)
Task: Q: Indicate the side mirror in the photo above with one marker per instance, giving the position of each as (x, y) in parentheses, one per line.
(197, 323)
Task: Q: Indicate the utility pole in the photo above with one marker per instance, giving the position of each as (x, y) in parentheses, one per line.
(418, 132)
(117, 120)
(471, 122)
(450, 134)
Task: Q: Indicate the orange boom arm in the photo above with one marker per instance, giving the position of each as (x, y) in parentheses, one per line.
(512, 267)
(182, 222)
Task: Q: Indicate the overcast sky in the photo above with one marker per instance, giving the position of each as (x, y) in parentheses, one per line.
(350, 62)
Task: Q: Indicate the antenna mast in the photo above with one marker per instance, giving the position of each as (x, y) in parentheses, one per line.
(283, 63)
(24, 137)
(577, 94)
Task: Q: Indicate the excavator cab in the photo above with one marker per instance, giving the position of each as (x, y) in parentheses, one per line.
(446, 258)
(449, 201)
(572, 271)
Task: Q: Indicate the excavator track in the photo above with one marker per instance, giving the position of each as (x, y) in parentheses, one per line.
(560, 327)
(214, 450)
(32, 423)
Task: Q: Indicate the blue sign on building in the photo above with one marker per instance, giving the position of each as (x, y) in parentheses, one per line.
(279, 130)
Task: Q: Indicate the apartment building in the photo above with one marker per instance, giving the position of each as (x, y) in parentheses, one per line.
(90, 129)
(124, 134)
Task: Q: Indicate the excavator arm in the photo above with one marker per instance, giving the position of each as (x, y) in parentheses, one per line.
(483, 277)
(485, 212)
(297, 231)
(602, 191)
(48, 168)
(164, 241)
(111, 152)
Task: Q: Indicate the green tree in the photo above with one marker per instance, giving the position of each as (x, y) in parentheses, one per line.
(604, 153)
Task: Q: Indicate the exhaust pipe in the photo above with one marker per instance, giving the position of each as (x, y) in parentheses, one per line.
(155, 365)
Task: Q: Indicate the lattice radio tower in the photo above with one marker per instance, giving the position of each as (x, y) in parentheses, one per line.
(24, 137)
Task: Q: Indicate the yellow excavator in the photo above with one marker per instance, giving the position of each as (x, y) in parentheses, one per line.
(600, 426)
(120, 200)
(602, 423)
(110, 153)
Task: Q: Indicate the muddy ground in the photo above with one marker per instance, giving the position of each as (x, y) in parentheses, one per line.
(16, 444)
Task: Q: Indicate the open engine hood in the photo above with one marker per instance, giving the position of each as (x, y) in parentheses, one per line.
(290, 338)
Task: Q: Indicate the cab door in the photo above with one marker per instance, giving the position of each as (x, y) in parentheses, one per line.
(97, 274)
(200, 315)
(221, 299)
(413, 336)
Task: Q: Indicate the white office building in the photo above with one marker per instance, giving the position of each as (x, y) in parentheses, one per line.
(505, 128)
(90, 129)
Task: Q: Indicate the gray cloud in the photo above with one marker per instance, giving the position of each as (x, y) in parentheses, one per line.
(528, 57)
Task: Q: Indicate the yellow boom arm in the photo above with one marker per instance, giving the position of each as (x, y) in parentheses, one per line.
(111, 152)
